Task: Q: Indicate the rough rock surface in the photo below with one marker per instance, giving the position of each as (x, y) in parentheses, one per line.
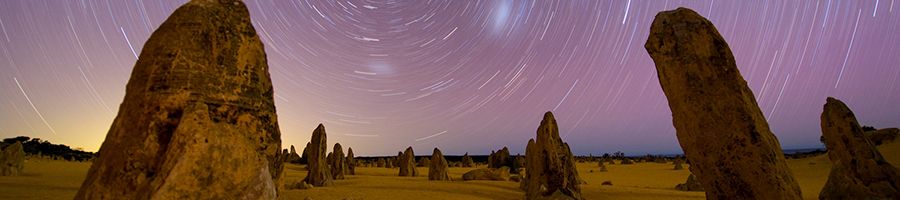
(351, 162)
(337, 162)
(716, 117)
(407, 163)
(467, 161)
(858, 171)
(549, 164)
(293, 157)
(199, 98)
(490, 174)
(602, 167)
(884, 135)
(319, 173)
(438, 170)
(304, 157)
(499, 159)
(690, 185)
(12, 160)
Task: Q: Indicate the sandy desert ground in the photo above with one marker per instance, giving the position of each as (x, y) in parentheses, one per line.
(48, 179)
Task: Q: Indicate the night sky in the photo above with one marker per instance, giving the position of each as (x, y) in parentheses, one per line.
(464, 76)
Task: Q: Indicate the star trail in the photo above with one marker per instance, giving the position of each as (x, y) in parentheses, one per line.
(462, 75)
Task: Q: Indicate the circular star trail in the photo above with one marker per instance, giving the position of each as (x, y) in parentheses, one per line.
(461, 75)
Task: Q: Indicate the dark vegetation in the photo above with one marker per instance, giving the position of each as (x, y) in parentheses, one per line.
(38, 147)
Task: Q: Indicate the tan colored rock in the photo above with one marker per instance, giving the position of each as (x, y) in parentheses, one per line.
(690, 185)
(319, 173)
(199, 98)
(438, 169)
(678, 163)
(882, 136)
(337, 162)
(397, 159)
(407, 163)
(489, 174)
(304, 157)
(858, 170)
(351, 162)
(299, 185)
(602, 167)
(500, 158)
(467, 161)
(12, 160)
(732, 152)
(293, 157)
(549, 165)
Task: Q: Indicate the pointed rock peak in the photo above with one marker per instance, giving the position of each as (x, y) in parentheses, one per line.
(548, 131)
(835, 105)
(548, 118)
(436, 151)
(320, 127)
(859, 171)
(716, 117)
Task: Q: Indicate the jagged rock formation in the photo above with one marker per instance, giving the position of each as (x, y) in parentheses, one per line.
(12, 160)
(304, 157)
(319, 173)
(732, 152)
(293, 157)
(690, 185)
(337, 162)
(467, 161)
(351, 162)
(499, 158)
(199, 98)
(407, 163)
(858, 171)
(438, 169)
(549, 165)
(490, 174)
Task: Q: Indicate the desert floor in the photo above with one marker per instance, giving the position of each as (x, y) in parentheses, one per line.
(47, 179)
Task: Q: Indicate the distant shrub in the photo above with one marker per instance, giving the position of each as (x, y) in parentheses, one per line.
(36, 146)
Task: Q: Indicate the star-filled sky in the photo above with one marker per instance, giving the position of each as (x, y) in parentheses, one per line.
(462, 75)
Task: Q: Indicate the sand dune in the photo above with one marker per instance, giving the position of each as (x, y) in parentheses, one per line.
(48, 179)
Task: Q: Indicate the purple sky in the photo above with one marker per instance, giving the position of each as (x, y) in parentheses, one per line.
(465, 76)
